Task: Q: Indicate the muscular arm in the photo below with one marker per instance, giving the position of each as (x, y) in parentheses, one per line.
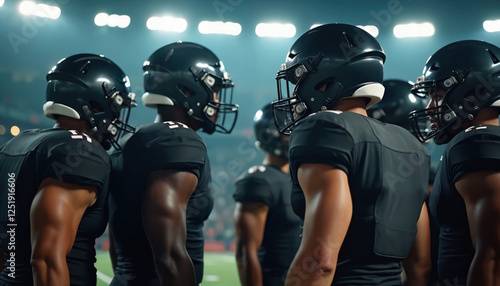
(249, 223)
(417, 265)
(56, 212)
(164, 218)
(481, 193)
(327, 218)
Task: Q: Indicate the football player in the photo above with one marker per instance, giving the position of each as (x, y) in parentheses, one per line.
(394, 108)
(462, 81)
(359, 184)
(160, 190)
(267, 230)
(54, 181)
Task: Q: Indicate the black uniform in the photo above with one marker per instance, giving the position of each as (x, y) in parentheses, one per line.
(25, 161)
(388, 172)
(475, 149)
(157, 146)
(269, 185)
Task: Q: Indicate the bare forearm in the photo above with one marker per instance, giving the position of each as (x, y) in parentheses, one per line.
(249, 268)
(307, 271)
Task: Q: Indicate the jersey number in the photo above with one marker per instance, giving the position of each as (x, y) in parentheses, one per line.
(77, 135)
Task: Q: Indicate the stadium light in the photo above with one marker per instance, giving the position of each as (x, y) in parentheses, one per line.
(167, 23)
(371, 29)
(113, 20)
(2, 129)
(275, 30)
(14, 130)
(219, 27)
(101, 19)
(41, 10)
(1, 2)
(491, 26)
(414, 30)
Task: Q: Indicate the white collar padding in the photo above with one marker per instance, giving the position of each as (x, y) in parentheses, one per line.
(51, 108)
(373, 91)
(152, 100)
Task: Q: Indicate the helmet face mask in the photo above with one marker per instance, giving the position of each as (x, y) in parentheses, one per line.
(325, 65)
(94, 89)
(461, 79)
(192, 77)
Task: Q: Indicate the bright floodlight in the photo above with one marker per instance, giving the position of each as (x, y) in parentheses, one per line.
(492, 26)
(40, 10)
(167, 23)
(113, 20)
(219, 27)
(1, 2)
(414, 30)
(101, 19)
(372, 30)
(275, 30)
(123, 21)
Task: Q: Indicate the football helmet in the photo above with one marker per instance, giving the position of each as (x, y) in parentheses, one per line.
(396, 105)
(469, 74)
(325, 65)
(268, 137)
(92, 88)
(187, 74)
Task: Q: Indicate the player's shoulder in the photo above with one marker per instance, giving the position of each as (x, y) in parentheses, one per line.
(171, 131)
(475, 137)
(257, 172)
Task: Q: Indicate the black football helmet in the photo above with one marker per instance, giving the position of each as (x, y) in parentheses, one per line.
(396, 105)
(92, 88)
(469, 74)
(268, 137)
(325, 65)
(182, 68)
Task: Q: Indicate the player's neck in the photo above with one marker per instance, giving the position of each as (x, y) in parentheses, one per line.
(174, 113)
(352, 104)
(487, 116)
(72, 124)
(271, 159)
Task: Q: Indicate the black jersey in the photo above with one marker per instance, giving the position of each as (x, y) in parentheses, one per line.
(388, 172)
(269, 185)
(475, 149)
(25, 161)
(157, 146)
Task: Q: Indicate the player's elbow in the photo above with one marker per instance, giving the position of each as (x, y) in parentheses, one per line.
(42, 263)
(168, 261)
(38, 264)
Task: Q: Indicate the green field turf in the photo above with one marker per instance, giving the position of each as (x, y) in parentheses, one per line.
(220, 269)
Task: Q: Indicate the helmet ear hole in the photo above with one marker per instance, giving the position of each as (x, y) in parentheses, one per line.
(95, 106)
(187, 91)
(323, 85)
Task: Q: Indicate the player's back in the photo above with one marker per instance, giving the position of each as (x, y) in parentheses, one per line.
(388, 173)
